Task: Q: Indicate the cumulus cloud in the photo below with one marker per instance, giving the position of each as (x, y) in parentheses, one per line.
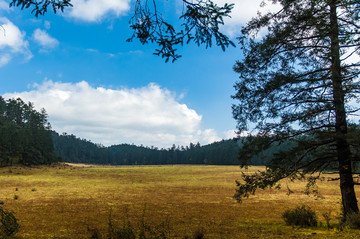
(95, 10)
(12, 42)
(150, 115)
(44, 39)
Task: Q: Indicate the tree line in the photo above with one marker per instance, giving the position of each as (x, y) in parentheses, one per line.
(75, 150)
(25, 136)
(72, 149)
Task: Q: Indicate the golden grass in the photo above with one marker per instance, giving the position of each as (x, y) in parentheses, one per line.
(65, 202)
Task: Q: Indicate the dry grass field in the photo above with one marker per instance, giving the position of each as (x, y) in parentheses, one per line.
(71, 202)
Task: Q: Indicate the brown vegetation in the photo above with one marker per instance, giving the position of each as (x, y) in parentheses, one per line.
(71, 202)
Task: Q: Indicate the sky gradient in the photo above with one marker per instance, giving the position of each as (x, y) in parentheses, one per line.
(92, 83)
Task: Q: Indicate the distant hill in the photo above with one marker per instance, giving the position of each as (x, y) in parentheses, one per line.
(75, 150)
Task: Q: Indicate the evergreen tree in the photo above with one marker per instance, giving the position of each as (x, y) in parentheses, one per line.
(24, 134)
(74, 150)
(296, 84)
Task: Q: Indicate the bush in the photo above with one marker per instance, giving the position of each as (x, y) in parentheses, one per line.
(145, 230)
(327, 217)
(9, 224)
(124, 232)
(198, 234)
(302, 216)
(353, 220)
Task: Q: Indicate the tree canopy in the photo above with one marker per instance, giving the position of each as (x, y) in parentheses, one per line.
(75, 150)
(297, 83)
(24, 134)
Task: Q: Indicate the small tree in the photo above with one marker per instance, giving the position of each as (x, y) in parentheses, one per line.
(296, 85)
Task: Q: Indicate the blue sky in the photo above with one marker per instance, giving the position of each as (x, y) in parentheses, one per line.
(92, 83)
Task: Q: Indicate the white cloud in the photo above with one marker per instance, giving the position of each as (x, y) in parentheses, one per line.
(47, 25)
(352, 56)
(150, 115)
(44, 39)
(11, 36)
(230, 134)
(12, 41)
(242, 12)
(4, 59)
(95, 10)
(4, 5)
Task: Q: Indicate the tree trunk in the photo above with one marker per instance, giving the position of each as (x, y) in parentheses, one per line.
(343, 149)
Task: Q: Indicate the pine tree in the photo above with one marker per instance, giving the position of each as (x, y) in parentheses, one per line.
(25, 135)
(297, 85)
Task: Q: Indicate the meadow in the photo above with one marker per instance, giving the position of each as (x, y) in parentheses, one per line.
(73, 202)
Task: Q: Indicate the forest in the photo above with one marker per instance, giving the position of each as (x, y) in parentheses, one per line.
(75, 150)
(25, 136)
(225, 152)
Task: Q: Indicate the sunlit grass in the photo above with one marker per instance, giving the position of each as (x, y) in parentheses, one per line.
(65, 202)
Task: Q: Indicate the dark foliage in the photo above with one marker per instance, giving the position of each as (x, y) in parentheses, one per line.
(40, 7)
(297, 87)
(353, 220)
(201, 21)
(72, 149)
(9, 223)
(302, 216)
(25, 136)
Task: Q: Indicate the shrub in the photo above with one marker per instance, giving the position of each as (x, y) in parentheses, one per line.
(327, 217)
(9, 224)
(199, 233)
(125, 232)
(145, 230)
(302, 216)
(353, 220)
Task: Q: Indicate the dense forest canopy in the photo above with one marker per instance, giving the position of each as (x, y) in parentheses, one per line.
(75, 150)
(225, 152)
(25, 136)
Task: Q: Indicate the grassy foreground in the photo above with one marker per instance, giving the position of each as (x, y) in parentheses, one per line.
(71, 202)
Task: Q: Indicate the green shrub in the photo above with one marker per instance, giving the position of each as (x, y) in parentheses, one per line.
(9, 224)
(302, 216)
(353, 220)
(125, 232)
(327, 217)
(145, 230)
